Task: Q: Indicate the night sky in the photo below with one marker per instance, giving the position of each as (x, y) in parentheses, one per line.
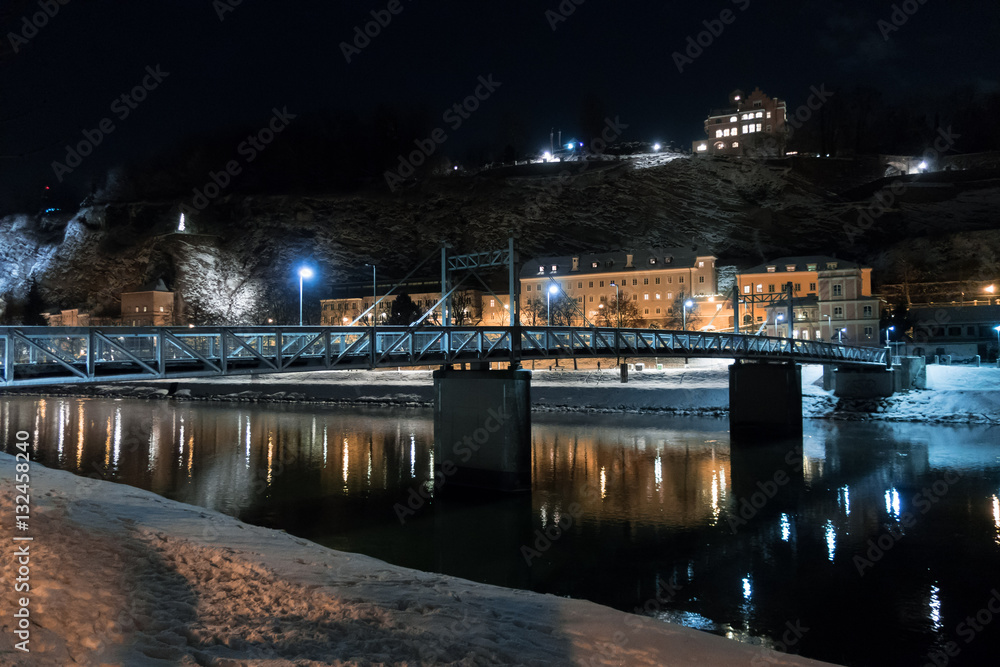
(230, 66)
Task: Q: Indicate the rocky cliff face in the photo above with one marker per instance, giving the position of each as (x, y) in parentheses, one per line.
(236, 260)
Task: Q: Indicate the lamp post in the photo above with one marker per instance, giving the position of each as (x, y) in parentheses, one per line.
(829, 326)
(687, 304)
(618, 305)
(548, 304)
(840, 335)
(778, 320)
(304, 272)
(997, 329)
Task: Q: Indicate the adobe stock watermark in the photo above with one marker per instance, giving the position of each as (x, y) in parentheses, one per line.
(769, 145)
(249, 149)
(363, 35)
(696, 44)
(122, 107)
(793, 634)
(924, 501)
(562, 12)
(883, 200)
(33, 23)
(767, 490)
(223, 7)
(901, 13)
(455, 116)
(967, 631)
(463, 450)
(612, 131)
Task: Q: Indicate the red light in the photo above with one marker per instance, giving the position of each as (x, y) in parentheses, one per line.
(46, 187)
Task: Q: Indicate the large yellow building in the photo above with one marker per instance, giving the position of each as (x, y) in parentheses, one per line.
(831, 299)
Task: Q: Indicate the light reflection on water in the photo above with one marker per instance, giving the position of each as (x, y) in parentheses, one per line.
(632, 502)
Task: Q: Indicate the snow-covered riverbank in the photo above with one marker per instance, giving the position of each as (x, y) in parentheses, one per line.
(121, 576)
(955, 394)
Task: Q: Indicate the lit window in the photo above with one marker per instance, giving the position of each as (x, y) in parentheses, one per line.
(493, 303)
(137, 309)
(771, 269)
(733, 119)
(161, 309)
(657, 296)
(736, 144)
(541, 269)
(702, 147)
(746, 289)
(144, 309)
(645, 297)
(652, 260)
(701, 265)
(760, 114)
(670, 295)
(593, 265)
(554, 268)
(718, 133)
(760, 288)
(758, 127)
(810, 267)
(768, 114)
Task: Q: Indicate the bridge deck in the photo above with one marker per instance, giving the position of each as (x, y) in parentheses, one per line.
(59, 355)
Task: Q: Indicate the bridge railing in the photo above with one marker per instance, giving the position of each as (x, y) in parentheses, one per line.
(44, 355)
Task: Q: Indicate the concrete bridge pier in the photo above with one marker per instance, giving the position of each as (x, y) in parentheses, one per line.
(482, 429)
(765, 399)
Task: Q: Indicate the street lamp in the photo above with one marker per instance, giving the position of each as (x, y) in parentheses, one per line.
(840, 335)
(780, 318)
(687, 304)
(618, 305)
(997, 329)
(829, 325)
(304, 272)
(548, 304)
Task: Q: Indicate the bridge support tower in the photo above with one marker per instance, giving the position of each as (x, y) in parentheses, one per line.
(482, 429)
(765, 400)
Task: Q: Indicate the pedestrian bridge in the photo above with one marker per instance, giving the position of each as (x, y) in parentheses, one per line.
(60, 355)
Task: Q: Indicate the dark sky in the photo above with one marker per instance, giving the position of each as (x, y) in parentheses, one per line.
(286, 53)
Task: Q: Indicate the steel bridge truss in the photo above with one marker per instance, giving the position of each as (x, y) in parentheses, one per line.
(59, 355)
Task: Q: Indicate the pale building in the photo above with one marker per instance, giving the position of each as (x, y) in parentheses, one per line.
(831, 299)
(151, 305)
(752, 124)
(655, 279)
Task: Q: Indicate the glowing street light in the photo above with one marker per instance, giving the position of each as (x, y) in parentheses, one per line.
(548, 304)
(304, 272)
(687, 304)
(656, 147)
(618, 304)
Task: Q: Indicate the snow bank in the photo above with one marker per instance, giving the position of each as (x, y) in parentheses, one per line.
(121, 576)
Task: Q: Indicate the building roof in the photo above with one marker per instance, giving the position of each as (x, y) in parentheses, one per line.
(151, 286)
(801, 264)
(665, 258)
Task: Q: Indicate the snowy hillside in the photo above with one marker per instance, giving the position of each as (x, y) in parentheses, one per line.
(239, 254)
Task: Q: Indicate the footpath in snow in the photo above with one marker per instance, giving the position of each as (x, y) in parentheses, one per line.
(121, 576)
(955, 394)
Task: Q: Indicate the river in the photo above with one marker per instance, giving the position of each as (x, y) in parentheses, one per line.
(860, 544)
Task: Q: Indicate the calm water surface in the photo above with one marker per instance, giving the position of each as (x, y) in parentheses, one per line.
(874, 541)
